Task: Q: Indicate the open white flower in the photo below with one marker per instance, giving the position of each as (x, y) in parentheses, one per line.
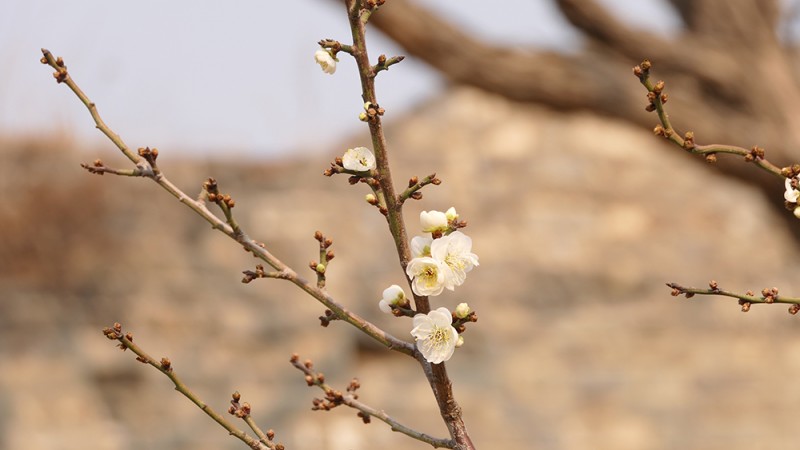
(436, 338)
(325, 60)
(433, 221)
(427, 275)
(359, 159)
(791, 195)
(455, 252)
(392, 296)
(421, 246)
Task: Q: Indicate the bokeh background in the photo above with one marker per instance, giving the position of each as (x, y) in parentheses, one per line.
(578, 213)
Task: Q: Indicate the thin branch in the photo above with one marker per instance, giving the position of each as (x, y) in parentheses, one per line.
(768, 296)
(658, 98)
(335, 398)
(62, 76)
(165, 366)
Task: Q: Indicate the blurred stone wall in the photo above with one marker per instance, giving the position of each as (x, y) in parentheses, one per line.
(578, 221)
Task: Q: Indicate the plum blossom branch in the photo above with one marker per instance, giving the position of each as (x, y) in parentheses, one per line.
(228, 226)
(746, 300)
(334, 398)
(391, 205)
(165, 366)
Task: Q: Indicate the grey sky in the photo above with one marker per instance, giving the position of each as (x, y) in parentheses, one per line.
(192, 76)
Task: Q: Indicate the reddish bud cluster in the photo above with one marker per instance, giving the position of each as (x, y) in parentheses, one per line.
(642, 70)
(327, 318)
(250, 275)
(166, 364)
(61, 69)
(212, 193)
(770, 294)
(755, 153)
(150, 155)
(239, 410)
(688, 140)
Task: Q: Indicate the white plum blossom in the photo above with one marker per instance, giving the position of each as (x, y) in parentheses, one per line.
(393, 295)
(325, 60)
(427, 275)
(791, 195)
(433, 221)
(359, 159)
(436, 338)
(455, 253)
(421, 246)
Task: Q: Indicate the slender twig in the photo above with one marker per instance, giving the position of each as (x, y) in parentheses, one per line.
(165, 366)
(768, 296)
(657, 98)
(414, 186)
(62, 76)
(335, 398)
(242, 411)
(235, 233)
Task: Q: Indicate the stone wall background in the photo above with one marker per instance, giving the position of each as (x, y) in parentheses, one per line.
(578, 221)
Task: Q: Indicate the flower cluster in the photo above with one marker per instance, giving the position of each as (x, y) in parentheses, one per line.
(440, 262)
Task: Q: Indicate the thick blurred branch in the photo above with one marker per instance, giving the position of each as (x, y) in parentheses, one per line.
(731, 79)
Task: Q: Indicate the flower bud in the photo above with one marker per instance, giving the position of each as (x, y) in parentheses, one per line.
(462, 310)
(325, 60)
(433, 221)
(392, 296)
(451, 214)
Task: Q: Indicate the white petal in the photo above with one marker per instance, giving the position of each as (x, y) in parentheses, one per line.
(359, 159)
(441, 317)
(393, 295)
(421, 246)
(791, 195)
(433, 221)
